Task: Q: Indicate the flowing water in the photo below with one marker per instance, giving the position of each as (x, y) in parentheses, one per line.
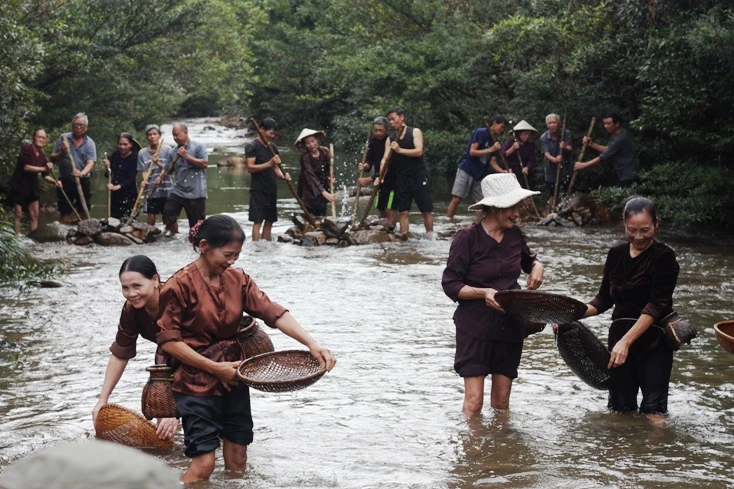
(389, 414)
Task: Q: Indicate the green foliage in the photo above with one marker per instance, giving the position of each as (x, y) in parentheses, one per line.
(17, 266)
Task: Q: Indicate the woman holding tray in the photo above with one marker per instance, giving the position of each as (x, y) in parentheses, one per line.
(141, 287)
(202, 305)
(639, 280)
(487, 257)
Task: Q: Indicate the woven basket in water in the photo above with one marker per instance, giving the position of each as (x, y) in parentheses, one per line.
(157, 400)
(281, 371)
(254, 340)
(540, 307)
(126, 427)
(725, 335)
(584, 353)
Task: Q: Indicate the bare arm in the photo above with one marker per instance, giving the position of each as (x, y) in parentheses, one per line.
(115, 368)
(288, 325)
(493, 164)
(417, 142)
(253, 168)
(475, 152)
(621, 348)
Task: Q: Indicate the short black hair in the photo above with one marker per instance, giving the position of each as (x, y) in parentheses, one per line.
(498, 119)
(268, 124)
(140, 264)
(614, 117)
(395, 110)
(218, 230)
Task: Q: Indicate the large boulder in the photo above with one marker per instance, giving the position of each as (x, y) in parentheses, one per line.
(89, 227)
(368, 236)
(113, 239)
(232, 161)
(84, 240)
(314, 238)
(50, 233)
(144, 232)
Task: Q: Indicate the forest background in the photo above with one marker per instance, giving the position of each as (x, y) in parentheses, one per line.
(666, 66)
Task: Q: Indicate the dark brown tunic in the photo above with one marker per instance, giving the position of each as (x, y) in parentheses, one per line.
(477, 260)
(314, 178)
(24, 182)
(201, 316)
(133, 323)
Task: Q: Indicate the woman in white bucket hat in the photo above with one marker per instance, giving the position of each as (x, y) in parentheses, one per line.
(487, 257)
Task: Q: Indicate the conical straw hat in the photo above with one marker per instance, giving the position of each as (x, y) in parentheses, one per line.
(524, 126)
(306, 133)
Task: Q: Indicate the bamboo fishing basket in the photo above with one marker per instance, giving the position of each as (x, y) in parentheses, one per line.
(157, 400)
(124, 426)
(282, 371)
(725, 335)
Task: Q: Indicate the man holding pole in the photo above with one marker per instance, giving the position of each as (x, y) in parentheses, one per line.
(151, 161)
(189, 192)
(375, 152)
(557, 151)
(84, 152)
(620, 151)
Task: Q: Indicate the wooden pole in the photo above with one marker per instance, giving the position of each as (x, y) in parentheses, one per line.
(561, 139)
(581, 157)
(306, 214)
(383, 172)
(68, 201)
(146, 177)
(76, 179)
(331, 178)
(525, 177)
(109, 192)
(361, 175)
(163, 175)
(494, 141)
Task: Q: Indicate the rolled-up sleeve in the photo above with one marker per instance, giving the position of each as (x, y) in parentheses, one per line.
(665, 277)
(603, 300)
(258, 304)
(170, 313)
(126, 339)
(456, 266)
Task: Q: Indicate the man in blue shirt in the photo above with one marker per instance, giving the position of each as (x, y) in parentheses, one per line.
(480, 154)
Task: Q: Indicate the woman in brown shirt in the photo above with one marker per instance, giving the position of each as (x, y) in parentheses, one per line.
(639, 280)
(202, 305)
(314, 178)
(487, 257)
(141, 287)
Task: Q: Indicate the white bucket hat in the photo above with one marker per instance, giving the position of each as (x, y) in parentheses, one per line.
(306, 133)
(524, 126)
(501, 190)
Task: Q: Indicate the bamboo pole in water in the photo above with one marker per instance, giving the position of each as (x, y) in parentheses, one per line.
(383, 172)
(109, 191)
(581, 157)
(78, 182)
(561, 139)
(361, 175)
(331, 178)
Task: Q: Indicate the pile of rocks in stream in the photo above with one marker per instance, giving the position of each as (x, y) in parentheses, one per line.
(579, 210)
(334, 232)
(104, 232)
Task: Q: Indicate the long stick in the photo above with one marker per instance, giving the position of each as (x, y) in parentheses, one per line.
(76, 179)
(68, 201)
(331, 178)
(162, 176)
(561, 139)
(383, 172)
(146, 177)
(494, 141)
(109, 192)
(361, 175)
(306, 214)
(581, 157)
(525, 177)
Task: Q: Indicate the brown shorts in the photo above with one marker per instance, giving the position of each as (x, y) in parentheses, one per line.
(479, 358)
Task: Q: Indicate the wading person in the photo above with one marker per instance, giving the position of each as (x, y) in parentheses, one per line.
(156, 202)
(385, 200)
(485, 258)
(202, 305)
(557, 151)
(25, 192)
(84, 152)
(520, 149)
(410, 171)
(620, 151)
(639, 280)
(314, 178)
(124, 185)
(141, 289)
(481, 154)
(263, 169)
(189, 192)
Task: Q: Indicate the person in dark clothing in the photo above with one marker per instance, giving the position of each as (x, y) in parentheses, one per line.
(485, 258)
(124, 185)
(25, 192)
(263, 169)
(410, 170)
(520, 148)
(556, 150)
(639, 280)
(315, 175)
(620, 151)
(375, 151)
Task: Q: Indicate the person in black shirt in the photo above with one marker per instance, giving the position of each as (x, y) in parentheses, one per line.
(263, 168)
(124, 166)
(375, 152)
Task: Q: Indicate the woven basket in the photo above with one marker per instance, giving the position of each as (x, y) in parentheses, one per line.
(540, 307)
(254, 340)
(584, 353)
(157, 400)
(126, 427)
(281, 371)
(725, 335)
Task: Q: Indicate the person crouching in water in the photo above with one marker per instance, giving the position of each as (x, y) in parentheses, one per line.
(202, 306)
(314, 178)
(485, 258)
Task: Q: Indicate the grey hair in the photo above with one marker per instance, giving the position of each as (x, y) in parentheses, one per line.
(181, 126)
(558, 118)
(381, 121)
(81, 115)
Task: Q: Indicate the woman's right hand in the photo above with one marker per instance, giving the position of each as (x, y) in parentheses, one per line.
(100, 404)
(490, 300)
(226, 372)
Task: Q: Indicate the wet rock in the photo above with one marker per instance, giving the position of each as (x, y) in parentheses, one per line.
(332, 229)
(384, 222)
(232, 161)
(134, 239)
(220, 149)
(208, 128)
(299, 221)
(89, 227)
(344, 243)
(577, 219)
(50, 233)
(126, 229)
(144, 231)
(83, 240)
(368, 236)
(49, 284)
(547, 219)
(332, 241)
(233, 122)
(316, 237)
(113, 239)
(111, 225)
(284, 238)
(294, 232)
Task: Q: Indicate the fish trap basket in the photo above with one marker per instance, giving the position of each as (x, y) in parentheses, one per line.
(126, 427)
(725, 335)
(584, 353)
(157, 400)
(540, 307)
(281, 371)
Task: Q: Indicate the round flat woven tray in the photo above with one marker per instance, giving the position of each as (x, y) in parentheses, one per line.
(725, 335)
(280, 371)
(584, 354)
(540, 307)
(126, 427)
